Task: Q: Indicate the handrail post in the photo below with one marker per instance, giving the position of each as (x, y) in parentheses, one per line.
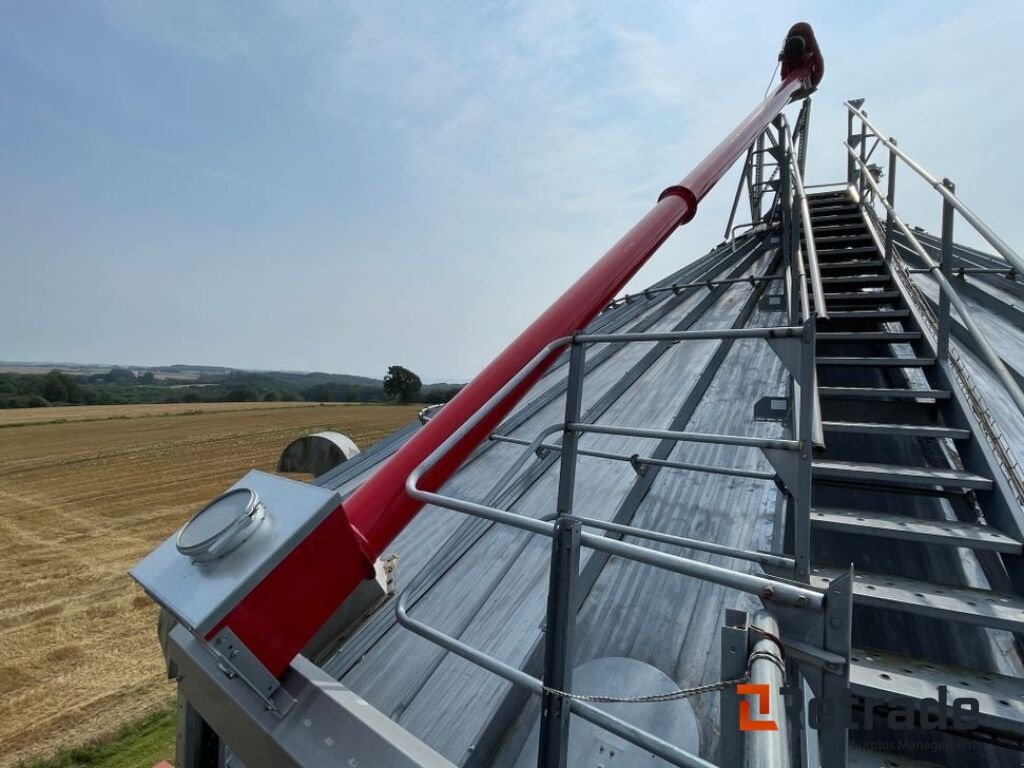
(891, 197)
(553, 749)
(768, 748)
(570, 437)
(799, 268)
(946, 265)
(786, 231)
(744, 177)
(863, 168)
(805, 434)
(565, 557)
(850, 165)
(805, 128)
(756, 190)
(734, 659)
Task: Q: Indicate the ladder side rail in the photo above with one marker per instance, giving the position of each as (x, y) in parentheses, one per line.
(990, 356)
(948, 194)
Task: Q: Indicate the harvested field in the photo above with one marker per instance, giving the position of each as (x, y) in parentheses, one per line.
(15, 417)
(80, 502)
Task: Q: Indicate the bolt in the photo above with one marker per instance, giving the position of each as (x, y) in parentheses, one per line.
(802, 600)
(767, 593)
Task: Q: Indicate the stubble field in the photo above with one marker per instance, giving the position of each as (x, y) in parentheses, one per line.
(84, 493)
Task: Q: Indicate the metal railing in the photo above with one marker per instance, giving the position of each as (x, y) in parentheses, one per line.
(1004, 456)
(801, 207)
(861, 176)
(788, 210)
(790, 457)
(943, 187)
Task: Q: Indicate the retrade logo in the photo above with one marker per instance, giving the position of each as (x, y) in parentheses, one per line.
(763, 695)
(859, 713)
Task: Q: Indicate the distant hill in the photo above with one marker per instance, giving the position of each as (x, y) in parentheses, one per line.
(30, 384)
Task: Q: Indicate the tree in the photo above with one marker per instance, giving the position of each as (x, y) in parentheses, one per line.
(120, 376)
(402, 384)
(59, 388)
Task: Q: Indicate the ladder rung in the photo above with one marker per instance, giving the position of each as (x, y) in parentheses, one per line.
(830, 206)
(861, 295)
(873, 393)
(891, 337)
(851, 226)
(856, 280)
(841, 238)
(867, 314)
(881, 675)
(854, 264)
(879, 362)
(895, 430)
(897, 475)
(997, 610)
(827, 252)
(888, 526)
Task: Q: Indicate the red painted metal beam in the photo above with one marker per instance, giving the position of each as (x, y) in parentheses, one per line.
(282, 612)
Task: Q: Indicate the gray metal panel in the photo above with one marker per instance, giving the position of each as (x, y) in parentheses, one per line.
(493, 596)
(201, 594)
(491, 593)
(327, 726)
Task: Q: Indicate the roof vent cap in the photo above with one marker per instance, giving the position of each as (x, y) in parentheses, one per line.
(221, 526)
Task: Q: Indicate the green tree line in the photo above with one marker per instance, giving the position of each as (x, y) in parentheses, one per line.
(122, 386)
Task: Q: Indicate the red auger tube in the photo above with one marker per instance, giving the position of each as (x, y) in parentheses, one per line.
(293, 601)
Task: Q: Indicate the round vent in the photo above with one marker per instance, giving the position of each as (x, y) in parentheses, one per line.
(220, 526)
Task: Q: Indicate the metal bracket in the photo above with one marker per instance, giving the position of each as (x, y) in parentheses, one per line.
(733, 665)
(638, 466)
(816, 657)
(236, 660)
(772, 302)
(788, 350)
(772, 408)
(785, 464)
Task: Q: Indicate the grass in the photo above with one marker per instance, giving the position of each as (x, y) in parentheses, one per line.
(139, 744)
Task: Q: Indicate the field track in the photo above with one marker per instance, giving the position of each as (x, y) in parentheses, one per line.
(84, 493)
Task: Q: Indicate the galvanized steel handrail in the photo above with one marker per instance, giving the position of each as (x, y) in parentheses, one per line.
(980, 227)
(768, 588)
(1004, 455)
(988, 354)
(599, 717)
(778, 591)
(817, 287)
(768, 748)
(638, 462)
(763, 558)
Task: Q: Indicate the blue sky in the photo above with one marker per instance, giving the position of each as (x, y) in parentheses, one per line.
(342, 186)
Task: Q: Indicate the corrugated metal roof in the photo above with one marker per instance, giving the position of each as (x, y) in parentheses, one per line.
(486, 584)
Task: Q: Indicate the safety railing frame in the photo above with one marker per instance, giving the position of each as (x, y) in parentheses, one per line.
(942, 272)
(808, 612)
(790, 214)
(945, 189)
(1006, 508)
(1001, 451)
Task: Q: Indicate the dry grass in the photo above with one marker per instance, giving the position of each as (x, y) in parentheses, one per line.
(16, 417)
(82, 501)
